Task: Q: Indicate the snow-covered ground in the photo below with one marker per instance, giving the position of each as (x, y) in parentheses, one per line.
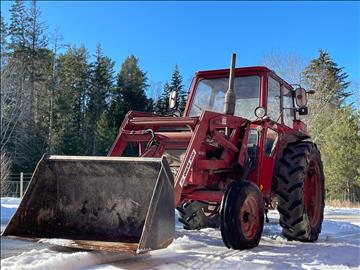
(8, 208)
(337, 248)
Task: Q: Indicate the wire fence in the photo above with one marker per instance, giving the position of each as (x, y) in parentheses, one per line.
(16, 185)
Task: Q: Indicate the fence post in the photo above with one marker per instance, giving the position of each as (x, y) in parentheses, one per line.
(21, 184)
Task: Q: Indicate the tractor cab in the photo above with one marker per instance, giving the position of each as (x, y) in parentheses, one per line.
(259, 94)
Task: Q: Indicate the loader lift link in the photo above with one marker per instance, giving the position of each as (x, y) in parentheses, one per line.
(237, 146)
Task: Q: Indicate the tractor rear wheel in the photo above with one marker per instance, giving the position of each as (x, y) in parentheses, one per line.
(300, 190)
(197, 215)
(242, 215)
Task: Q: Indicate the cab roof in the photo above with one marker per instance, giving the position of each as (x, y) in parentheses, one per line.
(243, 71)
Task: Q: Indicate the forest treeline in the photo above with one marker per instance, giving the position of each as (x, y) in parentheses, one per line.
(61, 100)
(67, 100)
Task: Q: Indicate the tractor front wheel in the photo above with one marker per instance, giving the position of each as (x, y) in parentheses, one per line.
(300, 190)
(242, 215)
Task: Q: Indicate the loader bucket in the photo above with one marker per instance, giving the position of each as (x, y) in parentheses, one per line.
(101, 203)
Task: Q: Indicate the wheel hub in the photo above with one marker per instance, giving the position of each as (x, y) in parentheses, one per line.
(249, 220)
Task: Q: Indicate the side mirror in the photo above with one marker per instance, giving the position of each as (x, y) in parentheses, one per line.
(303, 111)
(300, 97)
(172, 99)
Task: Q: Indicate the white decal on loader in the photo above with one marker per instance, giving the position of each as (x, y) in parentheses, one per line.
(187, 168)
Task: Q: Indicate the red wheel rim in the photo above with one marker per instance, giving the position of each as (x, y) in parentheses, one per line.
(249, 217)
(313, 194)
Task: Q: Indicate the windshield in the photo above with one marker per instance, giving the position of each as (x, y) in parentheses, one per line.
(210, 96)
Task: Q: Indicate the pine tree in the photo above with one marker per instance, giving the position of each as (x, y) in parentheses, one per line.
(162, 105)
(104, 134)
(101, 84)
(129, 93)
(132, 84)
(35, 37)
(341, 156)
(17, 28)
(176, 85)
(330, 85)
(69, 102)
(150, 105)
(325, 77)
(37, 52)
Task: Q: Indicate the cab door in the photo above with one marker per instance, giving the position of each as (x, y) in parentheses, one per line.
(268, 145)
(269, 136)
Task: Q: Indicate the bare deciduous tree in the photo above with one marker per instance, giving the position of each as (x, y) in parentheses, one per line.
(4, 173)
(14, 101)
(287, 65)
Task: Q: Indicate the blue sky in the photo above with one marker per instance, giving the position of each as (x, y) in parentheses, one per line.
(202, 35)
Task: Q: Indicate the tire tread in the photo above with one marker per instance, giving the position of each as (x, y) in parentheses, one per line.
(291, 175)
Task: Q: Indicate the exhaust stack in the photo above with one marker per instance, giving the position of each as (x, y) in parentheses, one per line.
(229, 106)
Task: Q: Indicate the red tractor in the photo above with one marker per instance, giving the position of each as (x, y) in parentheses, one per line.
(239, 144)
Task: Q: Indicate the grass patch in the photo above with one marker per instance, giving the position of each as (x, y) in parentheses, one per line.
(343, 204)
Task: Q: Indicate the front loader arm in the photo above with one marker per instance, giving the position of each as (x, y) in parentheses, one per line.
(210, 128)
(136, 124)
(196, 136)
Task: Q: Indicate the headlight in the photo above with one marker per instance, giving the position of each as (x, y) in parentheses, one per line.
(260, 112)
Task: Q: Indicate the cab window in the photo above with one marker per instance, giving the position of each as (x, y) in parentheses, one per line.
(273, 99)
(287, 104)
(252, 146)
(210, 96)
